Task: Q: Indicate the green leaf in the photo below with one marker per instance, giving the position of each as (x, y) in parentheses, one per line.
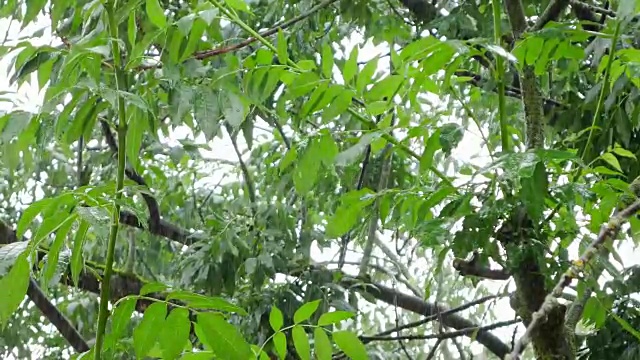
(207, 113)
(350, 155)
(205, 302)
(288, 159)
(52, 223)
(16, 123)
(33, 9)
(77, 258)
(301, 342)
(306, 172)
(334, 317)
(348, 213)
(303, 84)
(136, 127)
(610, 159)
(349, 343)
(174, 335)
(305, 311)
(197, 30)
(322, 344)
(433, 145)
(327, 61)
(365, 76)
(275, 318)
(625, 325)
(342, 221)
(200, 355)
(152, 287)
(327, 148)
(450, 136)
(239, 5)
(120, 321)
(146, 333)
(83, 116)
(122, 315)
(54, 251)
(234, 111)
(283, 54)
(14, 287)
(623, 152)
(280, 343)
(595, 312)
(338, 106)
(132, 28)
(30, 213)
(535, 45)
(350, 66)
(384, 89)
(156, 13)
(223, 338)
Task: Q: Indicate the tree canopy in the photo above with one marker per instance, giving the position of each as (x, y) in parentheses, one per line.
(236, 179)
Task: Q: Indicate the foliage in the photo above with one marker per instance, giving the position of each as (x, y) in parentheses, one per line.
(199, 173)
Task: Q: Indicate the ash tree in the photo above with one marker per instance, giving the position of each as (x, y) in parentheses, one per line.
(235, 179)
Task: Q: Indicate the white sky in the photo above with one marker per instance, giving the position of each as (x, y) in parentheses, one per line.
(28, 97)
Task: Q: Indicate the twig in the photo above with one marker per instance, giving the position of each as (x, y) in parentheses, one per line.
(223, 50)
(440, 313)
(446, 335)
(432, 352)
(608, 231)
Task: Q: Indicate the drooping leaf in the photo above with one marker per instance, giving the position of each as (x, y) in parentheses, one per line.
(301, 342)
(15, 285)
(223, 338)
(156, 13)
(146, 333)
(348, 342)
(174, 335)
(322, 345)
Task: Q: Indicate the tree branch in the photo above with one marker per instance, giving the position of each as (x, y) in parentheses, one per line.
(418, 306)
(608, 231)
(551, 13)
(447, 335)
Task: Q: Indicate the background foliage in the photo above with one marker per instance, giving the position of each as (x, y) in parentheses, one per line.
(297, 179)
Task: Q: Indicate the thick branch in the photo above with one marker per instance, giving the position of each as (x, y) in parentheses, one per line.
(474, 268)
(551, 13)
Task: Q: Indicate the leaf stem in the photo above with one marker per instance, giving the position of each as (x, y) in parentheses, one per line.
(103, 313)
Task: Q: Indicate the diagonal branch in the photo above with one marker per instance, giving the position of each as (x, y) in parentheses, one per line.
(56, 318)
(551, 13)
(608, 231)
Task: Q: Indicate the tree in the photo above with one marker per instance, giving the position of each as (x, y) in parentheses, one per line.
(352, 192)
